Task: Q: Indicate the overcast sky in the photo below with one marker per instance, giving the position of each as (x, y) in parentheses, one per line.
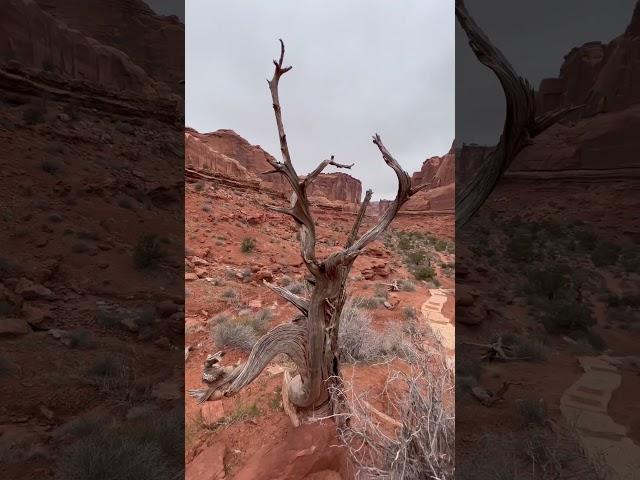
(359, 67)
(534, 36)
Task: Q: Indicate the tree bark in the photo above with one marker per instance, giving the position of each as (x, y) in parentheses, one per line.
(520, 126)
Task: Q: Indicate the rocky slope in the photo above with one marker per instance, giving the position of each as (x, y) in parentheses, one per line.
(602, 76)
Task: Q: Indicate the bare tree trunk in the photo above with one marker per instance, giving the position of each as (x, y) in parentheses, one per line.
(311, 340)
(520, 126)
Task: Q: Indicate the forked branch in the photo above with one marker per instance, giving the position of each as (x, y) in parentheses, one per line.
(318, 170)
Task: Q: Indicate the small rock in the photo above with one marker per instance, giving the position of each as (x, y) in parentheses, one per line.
(190, 276)
(166, 308)
(200, 262)
(255, 303)
(64, 117)
(30, 290)
(14, 326)
(200, 272)
(46, 412)
(129, 323)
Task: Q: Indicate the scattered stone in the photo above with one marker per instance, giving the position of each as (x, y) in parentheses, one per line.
(36, 316)
(197, 261)
(190, 276)
(30, 290)
(200, 272)
(255, 303)
(166, 308)
(14, 326)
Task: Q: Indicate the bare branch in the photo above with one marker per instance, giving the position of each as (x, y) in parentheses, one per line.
(309, 178)
(300, 303)
(404, 193)
(356, 225)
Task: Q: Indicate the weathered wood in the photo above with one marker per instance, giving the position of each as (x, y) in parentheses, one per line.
(311, 341)
(520, 126)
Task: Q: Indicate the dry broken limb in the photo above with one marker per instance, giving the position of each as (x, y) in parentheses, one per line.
(521, 125)
(498, 351)
(311, 340)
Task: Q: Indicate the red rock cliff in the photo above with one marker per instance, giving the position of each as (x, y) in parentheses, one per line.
(602, 76)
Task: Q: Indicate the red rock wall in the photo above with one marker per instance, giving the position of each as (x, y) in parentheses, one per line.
(603, 76)
(200, 156)
(37, 39)
(154, 42)
(337, 187)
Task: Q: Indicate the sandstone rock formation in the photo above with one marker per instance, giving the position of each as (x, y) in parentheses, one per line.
(337, 186)
(602, 76)
(226, 153)
(29, 37)
(440, 172)
(252, 157)
(200, 156)
(154, 42)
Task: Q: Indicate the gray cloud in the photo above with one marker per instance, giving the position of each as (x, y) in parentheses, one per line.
(359, 67)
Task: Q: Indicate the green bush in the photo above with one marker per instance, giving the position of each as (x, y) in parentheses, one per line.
(568, 318)
(546, 283)
(424, 273)
(520, 248)
(605, 254)
(248, 245)
(148, 252)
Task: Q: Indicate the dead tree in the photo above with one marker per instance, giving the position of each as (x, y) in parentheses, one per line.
(311, 339)
(521, 123)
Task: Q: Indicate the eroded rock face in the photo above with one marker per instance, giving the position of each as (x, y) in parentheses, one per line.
(252, 157)
(199, 155)
(601, 76)
(43, 42)
(226, 153)
(154, 42)
(337, 187)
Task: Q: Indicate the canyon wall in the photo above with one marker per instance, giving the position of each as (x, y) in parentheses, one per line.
(604, 77)
(226, 153)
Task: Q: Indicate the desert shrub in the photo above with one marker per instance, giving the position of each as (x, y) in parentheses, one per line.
(108, 373)
(358, 341)
(148, 252)
(424, 273)
(296, 287)
(586, 239)
(124, 127)
(51, 166)
(6, 367)
(567, 317)
(605, 254)
(630, 260)
(231, 296)
(234, 335)
(520, 248)
(546, 283)
(248, 245)
(416, 258)
(440, 245)
(81, 339)
(406, 285)
(370, 303)
(35, 113)
(199, 185)
(409, 313)
(533, 411)
(107, 454)
(423, 447)
(258, 321)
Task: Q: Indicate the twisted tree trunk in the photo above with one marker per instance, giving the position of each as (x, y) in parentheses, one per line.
(520, 126)
(310, 340)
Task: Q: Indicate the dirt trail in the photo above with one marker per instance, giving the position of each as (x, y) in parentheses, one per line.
(585, 405)
(440, 324)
